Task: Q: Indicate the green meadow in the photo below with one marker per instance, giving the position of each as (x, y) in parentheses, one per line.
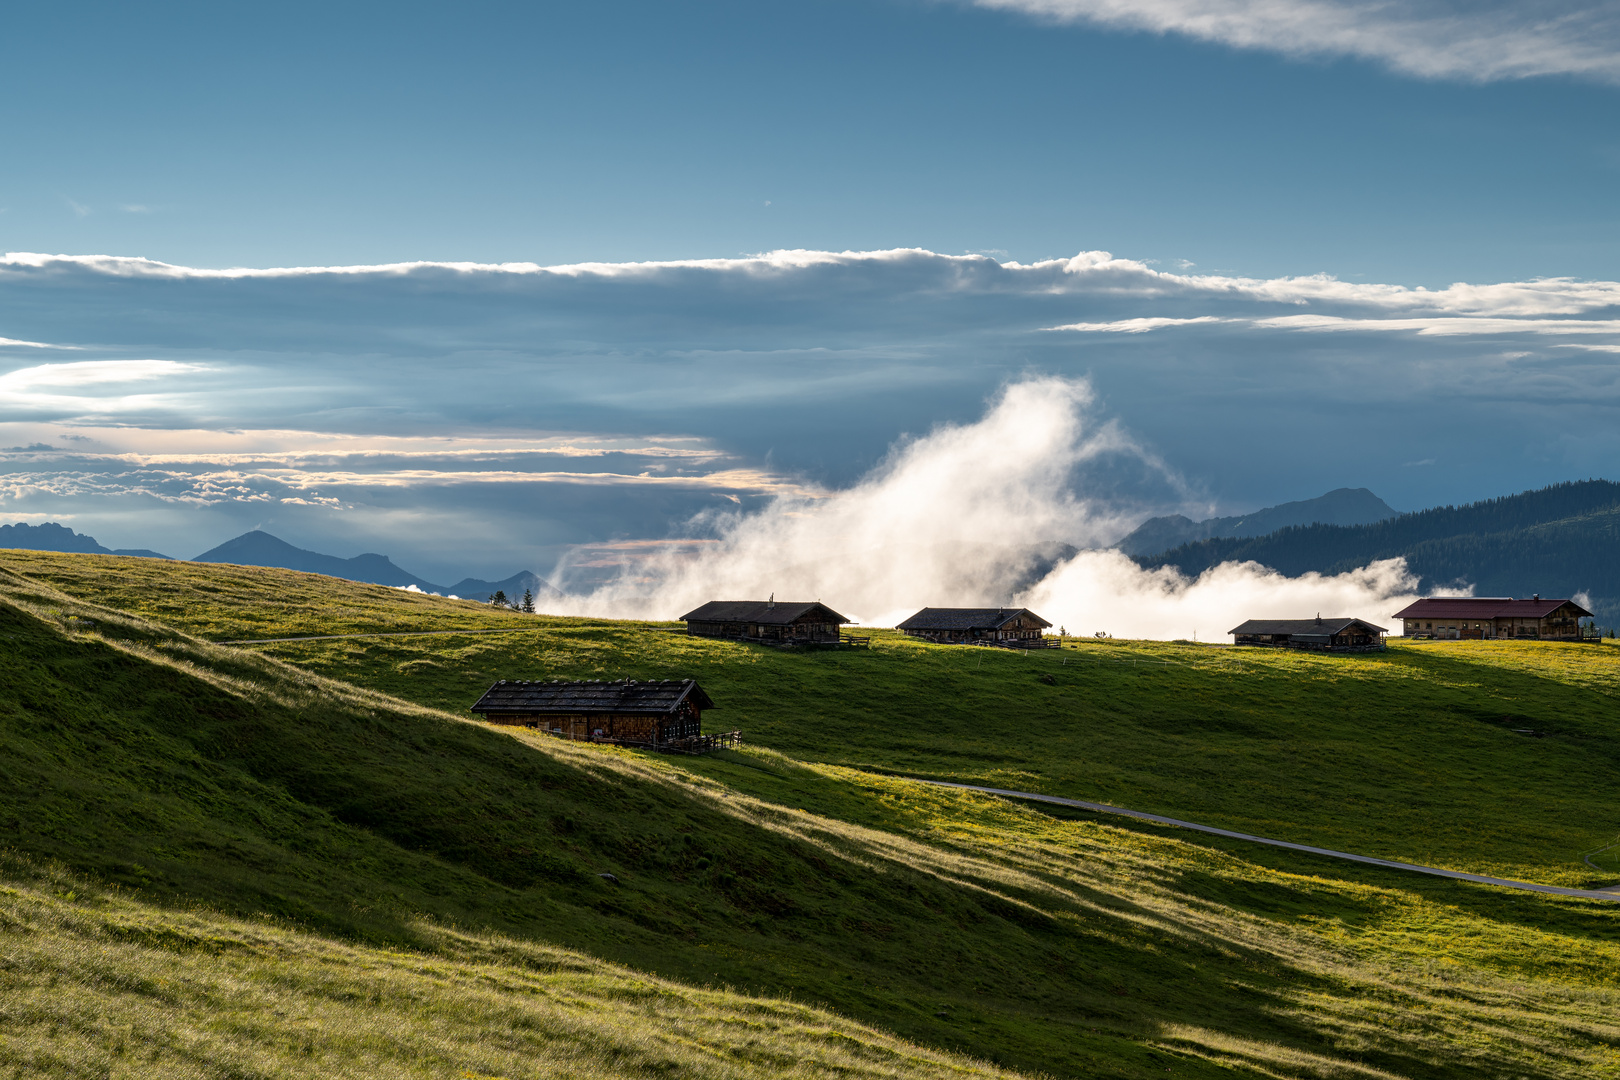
(304, 858)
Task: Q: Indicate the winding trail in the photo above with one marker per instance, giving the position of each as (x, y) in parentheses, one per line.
(1388, 864)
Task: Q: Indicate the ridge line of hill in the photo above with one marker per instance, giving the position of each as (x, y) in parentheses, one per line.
(259, 548)
(1560, 540)
(1388, 864)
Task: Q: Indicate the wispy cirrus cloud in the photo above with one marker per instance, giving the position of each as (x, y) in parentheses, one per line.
(16, 343)
(1434, 325)
(1436, 39)
(90, 386)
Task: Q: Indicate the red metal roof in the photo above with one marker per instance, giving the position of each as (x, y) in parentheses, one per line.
(1484, 607)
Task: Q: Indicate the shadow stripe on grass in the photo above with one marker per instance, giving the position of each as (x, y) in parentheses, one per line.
(1390, 864)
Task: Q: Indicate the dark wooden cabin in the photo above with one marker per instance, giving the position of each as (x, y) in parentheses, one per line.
(667, 714)
(1332, 635)
(773, 622)
(1487, 617)
(1015, 627)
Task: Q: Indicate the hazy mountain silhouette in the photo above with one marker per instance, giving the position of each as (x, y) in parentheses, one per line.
(1558, 541)
(1342, 506)
(259, 548)
(53, 537)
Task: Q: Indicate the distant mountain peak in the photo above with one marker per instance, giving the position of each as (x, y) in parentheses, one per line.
(51, 536)
(259, 548)
(1341, 506)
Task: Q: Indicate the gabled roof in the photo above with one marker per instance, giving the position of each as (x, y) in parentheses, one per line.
(628, 696)
(966, 618)
(1304, 627)
(1485, 607)
(777, 613)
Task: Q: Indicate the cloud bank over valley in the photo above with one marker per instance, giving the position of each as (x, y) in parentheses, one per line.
(481, 418)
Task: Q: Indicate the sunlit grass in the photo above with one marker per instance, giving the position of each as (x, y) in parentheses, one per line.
(96, 984)
(341, 789)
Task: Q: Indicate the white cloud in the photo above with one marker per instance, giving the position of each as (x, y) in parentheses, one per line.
(1442, 39)
(14, 343)
(962, 517)
(892, 272)
(1434, 325)
(90, 387)
(1140, 326)
(593, 402)
(92, 372)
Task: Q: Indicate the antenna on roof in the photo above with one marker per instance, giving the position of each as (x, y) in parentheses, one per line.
(1318, 618)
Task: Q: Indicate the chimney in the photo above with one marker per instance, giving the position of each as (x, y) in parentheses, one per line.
(1535, 596)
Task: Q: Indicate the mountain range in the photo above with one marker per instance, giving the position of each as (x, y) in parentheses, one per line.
(1561, 540)
(258, 548)
(53, 537)
(1343, 506)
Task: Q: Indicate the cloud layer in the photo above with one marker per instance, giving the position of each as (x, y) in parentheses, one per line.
(1443, 39)
(605, 405)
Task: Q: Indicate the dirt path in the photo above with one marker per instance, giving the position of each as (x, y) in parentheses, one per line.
(1390, 864)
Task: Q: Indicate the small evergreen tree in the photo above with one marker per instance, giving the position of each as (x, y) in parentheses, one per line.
(528, 601)
(499, 599)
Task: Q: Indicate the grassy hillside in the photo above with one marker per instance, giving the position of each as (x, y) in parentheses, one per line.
(1557, 541)
(97, 984)
(187, 773)
(1411, 754)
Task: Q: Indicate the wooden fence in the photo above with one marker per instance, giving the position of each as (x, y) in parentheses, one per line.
(692, 744)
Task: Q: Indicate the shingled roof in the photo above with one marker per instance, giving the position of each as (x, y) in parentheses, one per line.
(965, 618)
(765, 612)
(1485, 607)
(1303, 627)
(629, 696)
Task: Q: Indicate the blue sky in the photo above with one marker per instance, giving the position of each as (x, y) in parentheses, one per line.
(1335, 164)
(293, 134)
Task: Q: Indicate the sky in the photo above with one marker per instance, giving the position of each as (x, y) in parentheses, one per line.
(501, 287)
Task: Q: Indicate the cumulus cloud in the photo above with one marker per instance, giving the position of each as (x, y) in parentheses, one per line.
(1439, 39)
(977, 514)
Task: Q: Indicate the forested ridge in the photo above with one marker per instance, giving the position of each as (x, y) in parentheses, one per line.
(1556, 541)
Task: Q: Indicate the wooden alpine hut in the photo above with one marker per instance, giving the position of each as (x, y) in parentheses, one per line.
(771, 622)
(1017, 628)
(663, 715)
(1330, 635)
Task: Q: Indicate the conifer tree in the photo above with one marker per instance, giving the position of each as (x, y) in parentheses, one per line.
(528, 601)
